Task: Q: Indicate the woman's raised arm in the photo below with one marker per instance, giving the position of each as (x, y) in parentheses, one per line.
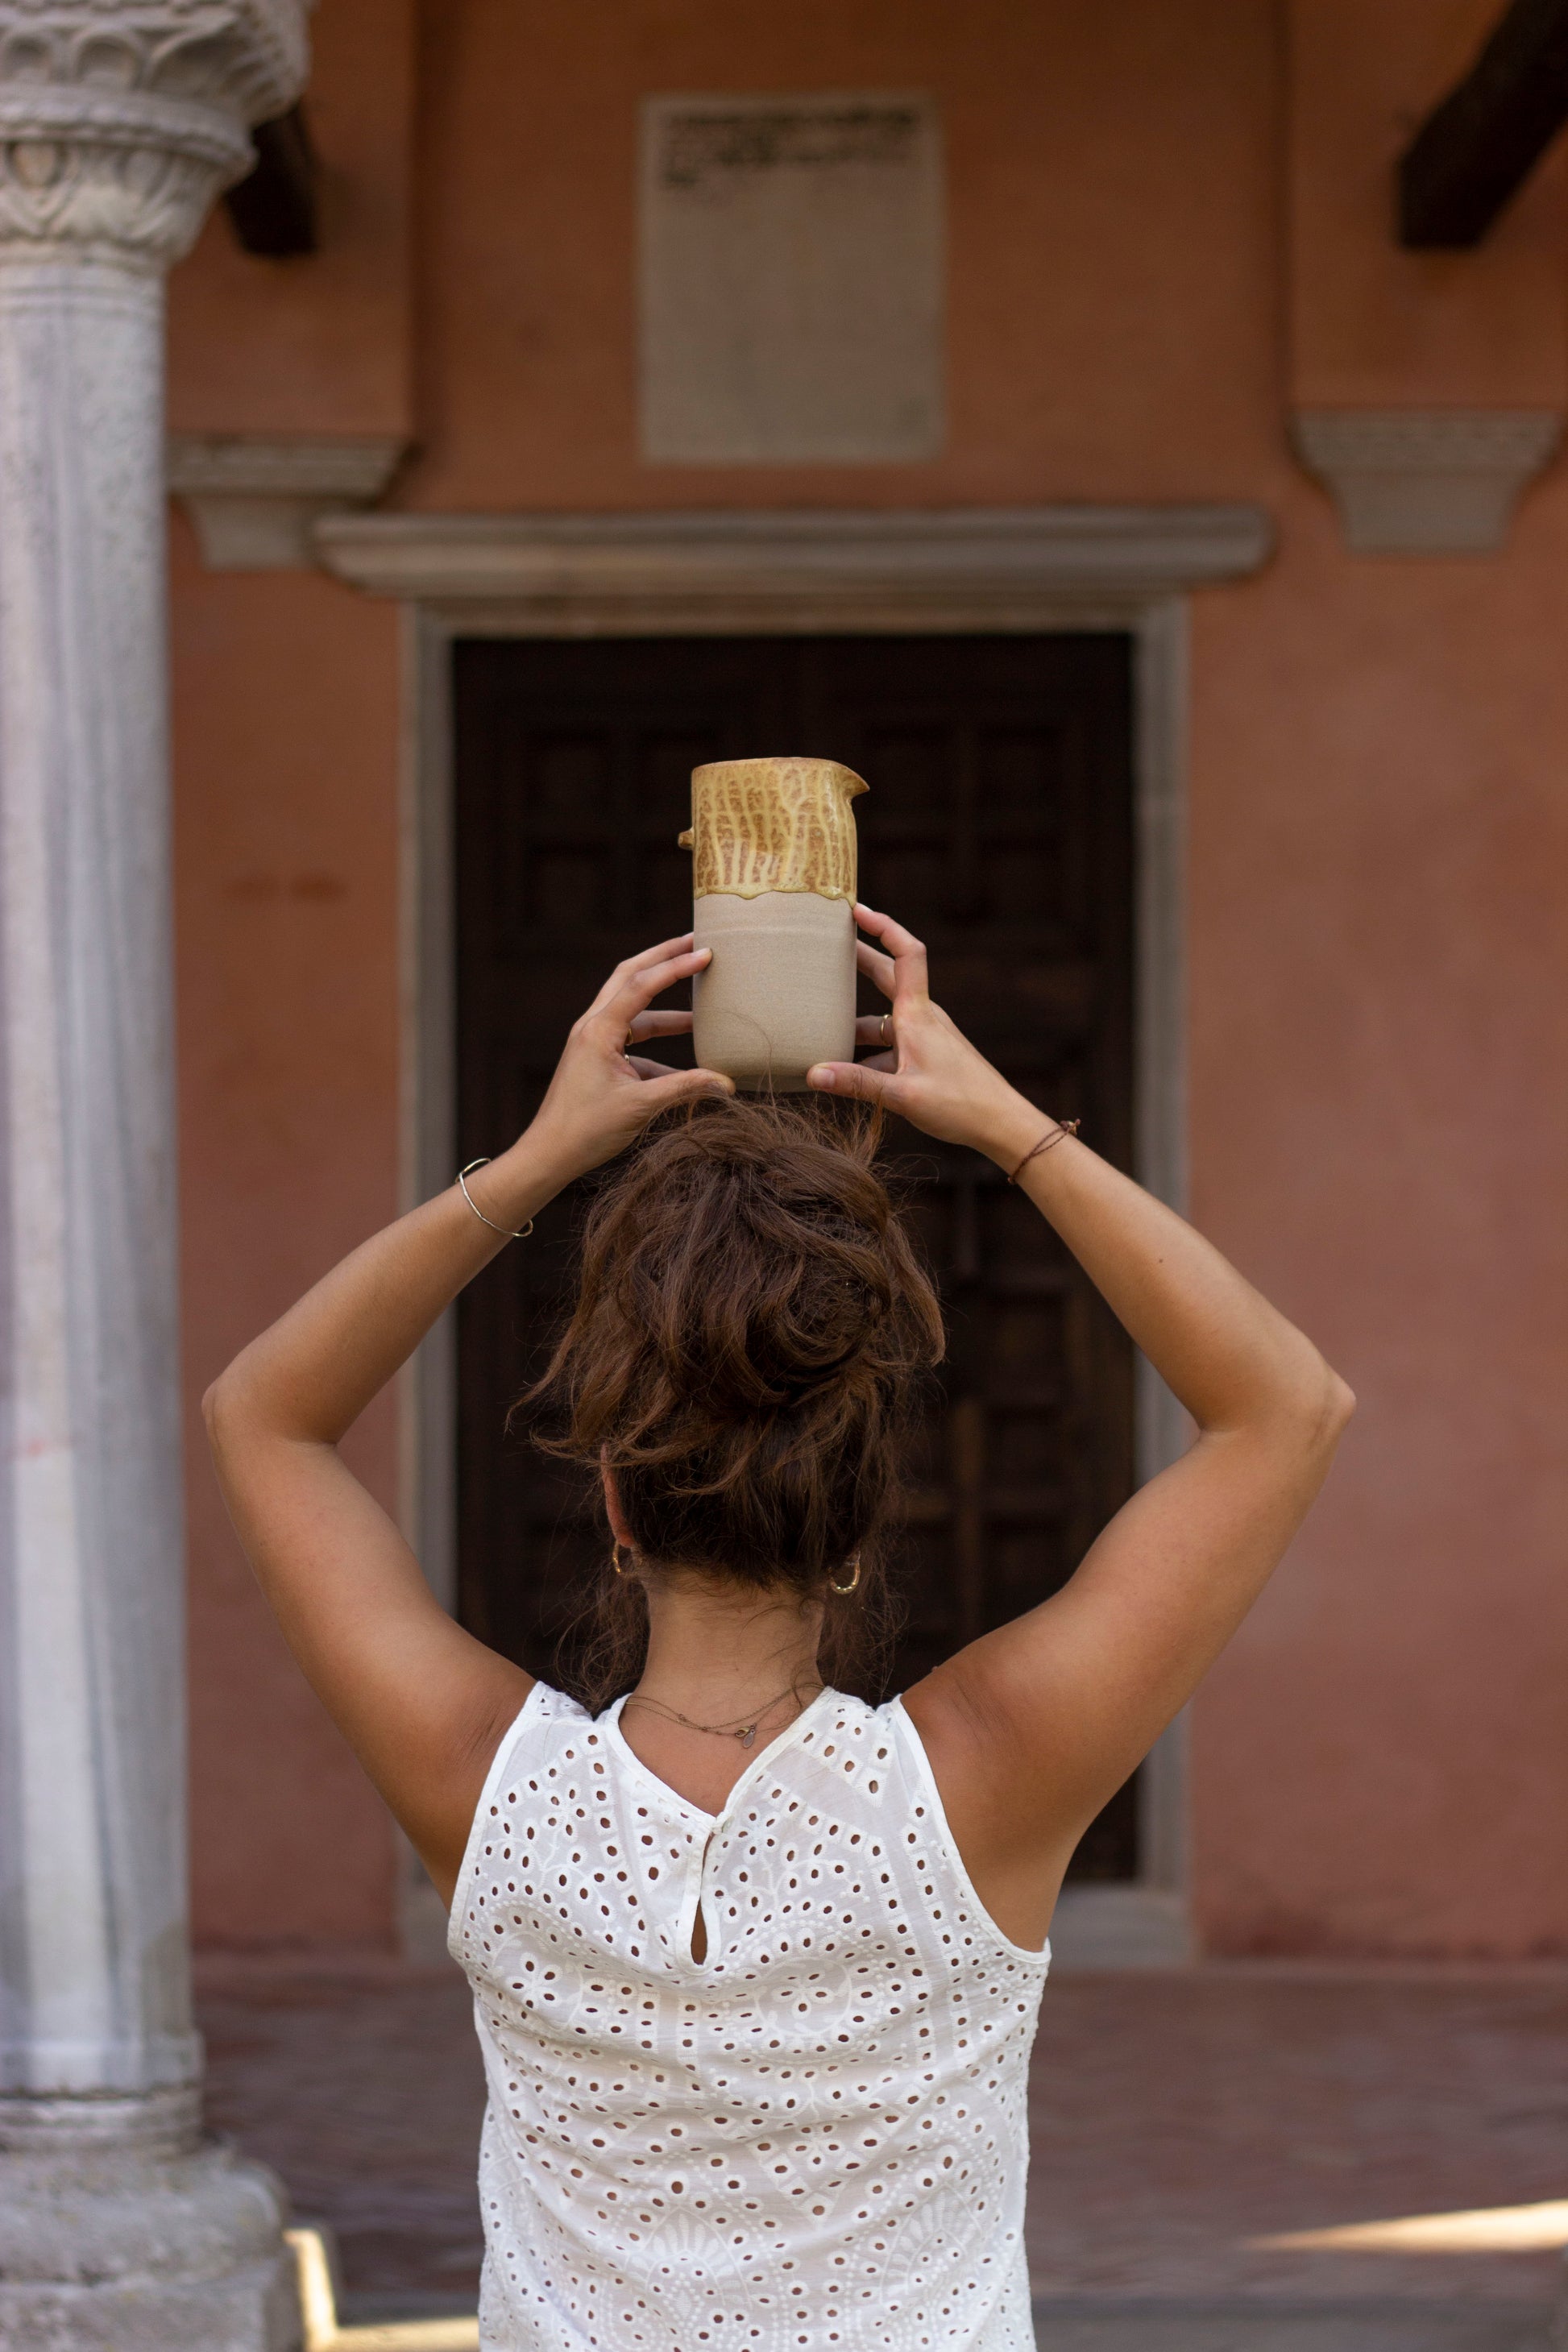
(1033, 1727)
(422, 1703)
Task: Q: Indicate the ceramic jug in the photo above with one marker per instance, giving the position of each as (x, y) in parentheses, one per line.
(773, 882)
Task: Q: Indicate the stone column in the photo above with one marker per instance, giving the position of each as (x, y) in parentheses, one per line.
(119, 121)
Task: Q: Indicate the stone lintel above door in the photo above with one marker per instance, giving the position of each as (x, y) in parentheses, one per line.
(737, 572)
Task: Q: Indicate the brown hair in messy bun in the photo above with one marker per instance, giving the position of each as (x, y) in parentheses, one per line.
(744, 1356)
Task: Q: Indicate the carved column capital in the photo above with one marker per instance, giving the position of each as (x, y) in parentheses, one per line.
(121, 120)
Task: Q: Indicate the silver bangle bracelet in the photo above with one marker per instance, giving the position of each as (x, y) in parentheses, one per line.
(463, 1175)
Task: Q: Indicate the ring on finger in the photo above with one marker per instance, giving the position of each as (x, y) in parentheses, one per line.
(882, 1036)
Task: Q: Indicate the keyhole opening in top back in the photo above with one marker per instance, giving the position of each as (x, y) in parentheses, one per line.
(699, 1924)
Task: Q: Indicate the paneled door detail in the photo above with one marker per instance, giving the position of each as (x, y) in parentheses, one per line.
(998, 826)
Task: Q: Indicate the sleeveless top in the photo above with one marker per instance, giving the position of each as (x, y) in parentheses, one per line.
(814, 2137)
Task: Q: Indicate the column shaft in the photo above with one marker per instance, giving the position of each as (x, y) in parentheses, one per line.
(94, 1995)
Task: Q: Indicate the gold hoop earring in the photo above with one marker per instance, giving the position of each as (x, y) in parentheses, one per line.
(854, 1579)
(615, 1551)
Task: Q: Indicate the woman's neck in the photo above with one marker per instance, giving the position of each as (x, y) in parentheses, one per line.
(723, 1656)
(716, 1650)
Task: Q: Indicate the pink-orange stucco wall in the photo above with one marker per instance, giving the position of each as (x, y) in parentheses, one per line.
(1167, 224)
(1379, 949)
(286, 872)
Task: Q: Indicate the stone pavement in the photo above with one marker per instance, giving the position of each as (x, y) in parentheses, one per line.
(1180, 2119)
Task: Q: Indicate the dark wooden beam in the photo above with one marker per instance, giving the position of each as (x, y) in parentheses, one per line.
(273, 208)
(1479, 146)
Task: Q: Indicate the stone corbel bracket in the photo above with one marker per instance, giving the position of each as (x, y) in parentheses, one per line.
(1426, 481)
(256, 498)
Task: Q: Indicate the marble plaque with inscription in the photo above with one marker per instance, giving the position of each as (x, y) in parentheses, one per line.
(790, 279)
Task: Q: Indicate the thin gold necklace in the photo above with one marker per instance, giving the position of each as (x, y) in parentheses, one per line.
(742, 1729)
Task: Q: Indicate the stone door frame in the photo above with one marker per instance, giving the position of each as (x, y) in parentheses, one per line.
(774, 573)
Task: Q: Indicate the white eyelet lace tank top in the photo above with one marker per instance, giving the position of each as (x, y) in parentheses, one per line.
(812, 2140)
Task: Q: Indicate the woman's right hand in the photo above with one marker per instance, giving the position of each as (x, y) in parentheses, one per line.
(931, 1074)
(604, 1093)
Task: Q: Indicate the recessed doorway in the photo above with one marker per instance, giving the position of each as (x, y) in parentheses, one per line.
(999, 826)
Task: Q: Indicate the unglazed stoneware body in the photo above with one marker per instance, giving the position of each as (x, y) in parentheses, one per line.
(773, 889)
(780, 991)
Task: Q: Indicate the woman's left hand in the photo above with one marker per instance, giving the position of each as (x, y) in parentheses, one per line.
(925, 1067)
(602, 1094)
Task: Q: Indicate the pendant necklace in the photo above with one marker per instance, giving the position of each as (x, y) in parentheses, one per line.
(745, 1730)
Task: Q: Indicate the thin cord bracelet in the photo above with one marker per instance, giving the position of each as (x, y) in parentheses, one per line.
(463, 1175)
(1062, 1128)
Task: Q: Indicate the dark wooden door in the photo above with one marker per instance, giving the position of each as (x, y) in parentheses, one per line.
(998, 826)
